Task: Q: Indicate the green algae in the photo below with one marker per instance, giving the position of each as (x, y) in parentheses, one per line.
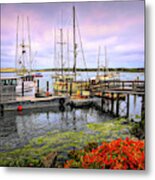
(62, 142)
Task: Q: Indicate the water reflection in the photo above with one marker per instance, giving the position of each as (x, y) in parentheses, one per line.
(17, 128)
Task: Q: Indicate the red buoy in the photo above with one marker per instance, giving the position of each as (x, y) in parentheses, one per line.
(47, 93)
(20, 108)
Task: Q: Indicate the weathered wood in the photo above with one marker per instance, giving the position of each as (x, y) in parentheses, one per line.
(112, 103)
(2, 109)
(47, 86)
(70, 89)
(128, 105)
(117, 105)
(131, 87)
(143, 108)
(22, 88)
(34, 103)
(38, 86)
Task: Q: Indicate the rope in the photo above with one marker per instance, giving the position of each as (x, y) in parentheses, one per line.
(81, 45)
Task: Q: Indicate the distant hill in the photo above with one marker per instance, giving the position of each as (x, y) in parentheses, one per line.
(7, 70)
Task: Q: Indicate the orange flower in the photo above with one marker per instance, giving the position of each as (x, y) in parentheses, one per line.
(118, 154)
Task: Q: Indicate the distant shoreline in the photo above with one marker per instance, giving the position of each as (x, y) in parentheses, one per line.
(12, 70)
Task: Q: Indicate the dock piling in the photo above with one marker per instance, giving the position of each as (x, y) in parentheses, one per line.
(112, 103)
(143, 108)
(47, 86)
(70, 88)
(102, 102)
(38, 86)
(22, 88)
(2, 109)
(117, 105)
(128, 105)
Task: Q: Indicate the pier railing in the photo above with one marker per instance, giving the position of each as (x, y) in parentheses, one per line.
(135, 86)
(112, 93)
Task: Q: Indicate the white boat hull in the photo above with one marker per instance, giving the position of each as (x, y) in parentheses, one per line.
(29, 87)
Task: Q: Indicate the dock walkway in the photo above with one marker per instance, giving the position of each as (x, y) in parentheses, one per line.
(30, 102)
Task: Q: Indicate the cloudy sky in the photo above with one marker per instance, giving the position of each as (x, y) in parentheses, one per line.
(118, 26)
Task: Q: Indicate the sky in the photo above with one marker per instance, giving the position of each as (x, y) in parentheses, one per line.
(116, 25)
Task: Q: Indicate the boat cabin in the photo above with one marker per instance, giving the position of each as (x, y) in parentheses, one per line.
(8, 89)
(27, 78)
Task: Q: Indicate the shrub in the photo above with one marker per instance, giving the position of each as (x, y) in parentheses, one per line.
(117, 154)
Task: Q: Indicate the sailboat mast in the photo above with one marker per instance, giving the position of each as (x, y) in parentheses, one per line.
(106, 62)
(29, 39)
(23, 45)
(16, 60)
(74, 42)
(98, 62)
(61, 45)
(55, 50)
(68, 51)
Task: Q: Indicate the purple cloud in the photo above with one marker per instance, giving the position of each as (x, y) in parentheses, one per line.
(118, 25)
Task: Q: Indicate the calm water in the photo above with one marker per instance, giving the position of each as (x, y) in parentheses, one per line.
(17, 128)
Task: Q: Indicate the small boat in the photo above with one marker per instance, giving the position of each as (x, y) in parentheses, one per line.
(106, 75)
(37, 75)
(26, 83)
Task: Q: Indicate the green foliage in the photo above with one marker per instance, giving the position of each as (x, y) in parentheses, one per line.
(62, 142)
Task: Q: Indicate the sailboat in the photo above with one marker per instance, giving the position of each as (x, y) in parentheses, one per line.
(67, 83)
(106, 74)
(23, 57)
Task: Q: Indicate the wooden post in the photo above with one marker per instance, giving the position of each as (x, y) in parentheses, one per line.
(108, 84)
(117, 105)
(133, 85)
(122, 84)
(66, 87)
(22, 88)
(2, 109)
(70, 88)
(81, 90)
(38, 86)
(128, 105)
(112, 103)
(102, 101)
(47, 86)
(143, 108)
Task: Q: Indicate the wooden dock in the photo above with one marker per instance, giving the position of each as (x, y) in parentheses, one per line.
(109, 95)
(130, 87)
(80, 103)
(117, 89)
(31, 102)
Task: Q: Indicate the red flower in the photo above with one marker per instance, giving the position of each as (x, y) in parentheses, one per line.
(118, 154)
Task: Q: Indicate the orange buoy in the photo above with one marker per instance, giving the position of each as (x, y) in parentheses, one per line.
(20, 108)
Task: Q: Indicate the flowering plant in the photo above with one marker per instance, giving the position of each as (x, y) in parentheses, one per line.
(118, 154)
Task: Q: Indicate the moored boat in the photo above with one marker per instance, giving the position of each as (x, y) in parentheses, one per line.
(67, 83)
